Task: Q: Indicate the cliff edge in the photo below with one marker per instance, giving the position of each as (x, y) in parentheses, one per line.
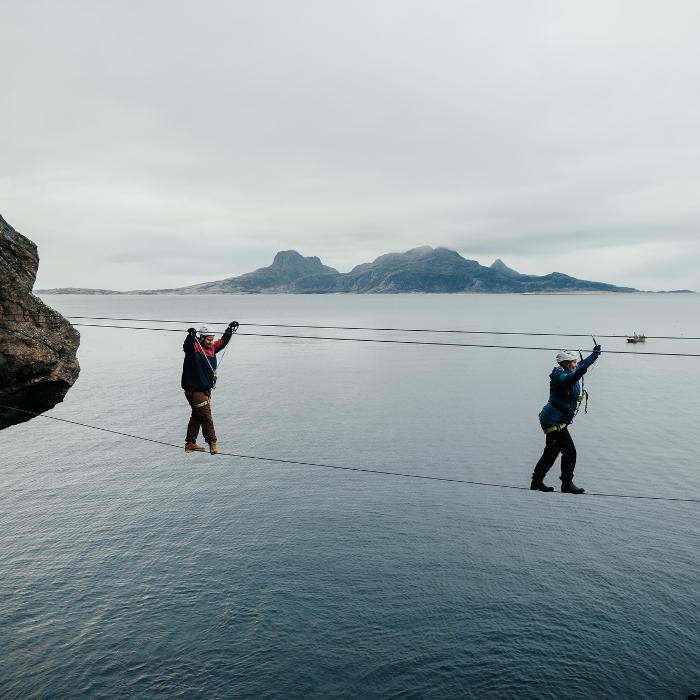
(38, 346)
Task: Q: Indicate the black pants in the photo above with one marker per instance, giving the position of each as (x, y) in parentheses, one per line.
(558, 442)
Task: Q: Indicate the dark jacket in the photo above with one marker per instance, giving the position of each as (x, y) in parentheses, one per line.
(564, 391)
(200, 364)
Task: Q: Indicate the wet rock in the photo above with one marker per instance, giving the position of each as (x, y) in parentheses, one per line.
(38, 346)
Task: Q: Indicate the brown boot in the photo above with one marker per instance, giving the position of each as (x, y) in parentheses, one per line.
(193, 447)
(212, 449)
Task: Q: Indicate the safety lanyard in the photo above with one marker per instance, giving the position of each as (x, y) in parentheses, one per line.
(223, 354)
(211, 367)
(583, 394)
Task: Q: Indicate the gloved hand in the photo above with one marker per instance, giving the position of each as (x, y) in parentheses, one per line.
(597, 350)
(233, 326)
(191, 331)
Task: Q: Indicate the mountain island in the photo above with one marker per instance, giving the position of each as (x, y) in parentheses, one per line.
(420, 270)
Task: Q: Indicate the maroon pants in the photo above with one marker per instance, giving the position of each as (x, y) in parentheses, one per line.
(201, 417)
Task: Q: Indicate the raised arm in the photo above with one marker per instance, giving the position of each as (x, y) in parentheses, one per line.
(223, 342)
(188, 345)
(568, 380)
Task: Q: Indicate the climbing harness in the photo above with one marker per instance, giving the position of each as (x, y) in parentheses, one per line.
(204, 403)
(561, 426)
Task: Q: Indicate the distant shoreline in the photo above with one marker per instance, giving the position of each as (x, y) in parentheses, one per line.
(146, 293)
(526, 294)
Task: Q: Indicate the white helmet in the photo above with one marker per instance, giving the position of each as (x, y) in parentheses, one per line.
(564, 356)
(205, 330)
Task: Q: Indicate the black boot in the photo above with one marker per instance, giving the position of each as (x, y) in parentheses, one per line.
(539, 485)
(571, 488)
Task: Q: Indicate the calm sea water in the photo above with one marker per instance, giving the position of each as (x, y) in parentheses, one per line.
(131, 570)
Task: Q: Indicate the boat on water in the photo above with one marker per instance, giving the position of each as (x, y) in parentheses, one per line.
(636, 338)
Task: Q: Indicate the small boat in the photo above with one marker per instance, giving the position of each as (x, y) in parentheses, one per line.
(636, 338)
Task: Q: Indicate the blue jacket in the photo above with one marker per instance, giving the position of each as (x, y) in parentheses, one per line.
(199, 364)
(564, 391)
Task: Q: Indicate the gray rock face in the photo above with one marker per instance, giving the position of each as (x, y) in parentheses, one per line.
(37, 345)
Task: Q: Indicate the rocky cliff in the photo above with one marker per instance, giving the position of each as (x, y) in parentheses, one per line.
(37, 345)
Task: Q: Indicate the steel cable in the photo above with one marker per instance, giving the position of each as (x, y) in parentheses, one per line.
(389, 341)
(364, 328)
(350, 469)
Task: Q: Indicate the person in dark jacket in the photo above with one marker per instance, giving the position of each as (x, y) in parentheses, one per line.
(198, 379)
(555, 418)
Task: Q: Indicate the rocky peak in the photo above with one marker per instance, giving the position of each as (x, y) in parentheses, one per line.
(500, 266)
(419, 252)
(293, 265)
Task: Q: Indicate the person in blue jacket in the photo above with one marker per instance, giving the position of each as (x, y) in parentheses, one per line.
(555, 418)
(198, 379)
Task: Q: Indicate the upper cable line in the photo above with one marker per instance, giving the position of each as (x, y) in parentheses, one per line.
(386, 340)
(370, 328)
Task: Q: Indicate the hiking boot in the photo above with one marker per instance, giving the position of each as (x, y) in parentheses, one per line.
(540, 486)
(193, 447)
(571, 488)
(212, 449)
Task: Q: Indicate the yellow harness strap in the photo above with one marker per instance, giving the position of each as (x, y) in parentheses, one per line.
(199, 405)
(554, 427)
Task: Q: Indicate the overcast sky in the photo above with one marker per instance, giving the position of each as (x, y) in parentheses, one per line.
(156, 143)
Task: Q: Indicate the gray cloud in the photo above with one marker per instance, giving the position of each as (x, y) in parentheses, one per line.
(157, 143)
